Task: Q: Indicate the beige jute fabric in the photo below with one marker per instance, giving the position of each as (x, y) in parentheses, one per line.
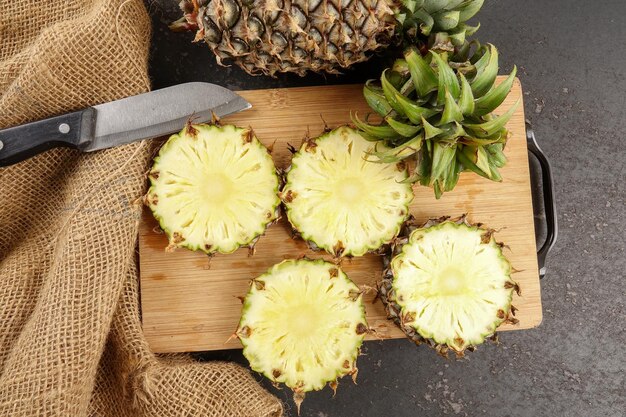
(70, 331)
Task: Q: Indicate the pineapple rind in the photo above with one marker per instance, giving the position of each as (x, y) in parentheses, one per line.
(273, 36)
(213, 188)
(340, 201)
(302, 324)
(409, 293)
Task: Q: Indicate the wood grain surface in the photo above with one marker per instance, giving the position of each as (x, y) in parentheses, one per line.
(191, 304)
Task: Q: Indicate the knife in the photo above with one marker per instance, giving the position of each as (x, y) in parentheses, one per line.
(144, 116)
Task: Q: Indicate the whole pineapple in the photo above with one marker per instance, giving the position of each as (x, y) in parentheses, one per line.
(270, 36)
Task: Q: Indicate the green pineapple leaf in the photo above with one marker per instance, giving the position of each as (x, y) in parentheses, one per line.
(451, 111)
(446, 19)
(498, 137)
(470, 9)
(454, 4)
(495, 173)
(426, 21)
(400, 66)
(487, 71)
(457, 37)
(411, 5)
(452, 133)
(442, 157)
(491, 127)
(497, 154)
(430, 131)
(403, 129)
(400, 152)
(424, 165)
(482, 160)
(490, 101)
(381, 132)
(413, 111)
(376, 99)
(453, 175)
(433, 6)
(470, 30)
(391, 94)
(438, 189)
(447, 79)
(422, 74)
(466, 100)
(465, 158)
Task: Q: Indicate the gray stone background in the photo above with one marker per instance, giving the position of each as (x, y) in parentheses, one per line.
(572, 61)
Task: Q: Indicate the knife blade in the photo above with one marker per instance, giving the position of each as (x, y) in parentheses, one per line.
(144, 116)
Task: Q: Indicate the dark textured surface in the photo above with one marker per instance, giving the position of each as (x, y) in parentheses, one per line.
(572, 59)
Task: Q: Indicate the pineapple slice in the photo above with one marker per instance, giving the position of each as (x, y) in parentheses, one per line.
(339, 201)
(213, 188)
(449, 285)
(302, 325)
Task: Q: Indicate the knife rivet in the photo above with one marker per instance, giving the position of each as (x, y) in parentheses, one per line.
(1, 145)
(64, 128)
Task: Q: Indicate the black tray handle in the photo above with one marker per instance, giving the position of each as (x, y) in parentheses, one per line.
(548, 201)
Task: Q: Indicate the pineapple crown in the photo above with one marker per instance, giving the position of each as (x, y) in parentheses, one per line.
(437, 109)
(437, 24)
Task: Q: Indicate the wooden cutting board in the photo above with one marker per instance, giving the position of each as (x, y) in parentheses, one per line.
(189, 304)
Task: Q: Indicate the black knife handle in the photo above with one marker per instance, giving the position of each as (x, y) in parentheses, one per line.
(73, 130)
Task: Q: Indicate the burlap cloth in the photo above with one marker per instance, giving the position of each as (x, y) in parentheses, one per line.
(70, 332)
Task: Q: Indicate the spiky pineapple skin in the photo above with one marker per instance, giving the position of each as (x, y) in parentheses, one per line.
(394, 310)
(272, 36)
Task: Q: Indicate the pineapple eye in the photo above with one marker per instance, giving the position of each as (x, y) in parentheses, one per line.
(348, 33)
(332, 14)
(299, 53)
(315, 35)
(255, 26)
(264, 58)
(231, 12)
(273, 9)
(334, 34)
(316, 64)
(279, 41)
(212, 34)
(314, 4)
(298, 16)
(239, 46)
(331, 48)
